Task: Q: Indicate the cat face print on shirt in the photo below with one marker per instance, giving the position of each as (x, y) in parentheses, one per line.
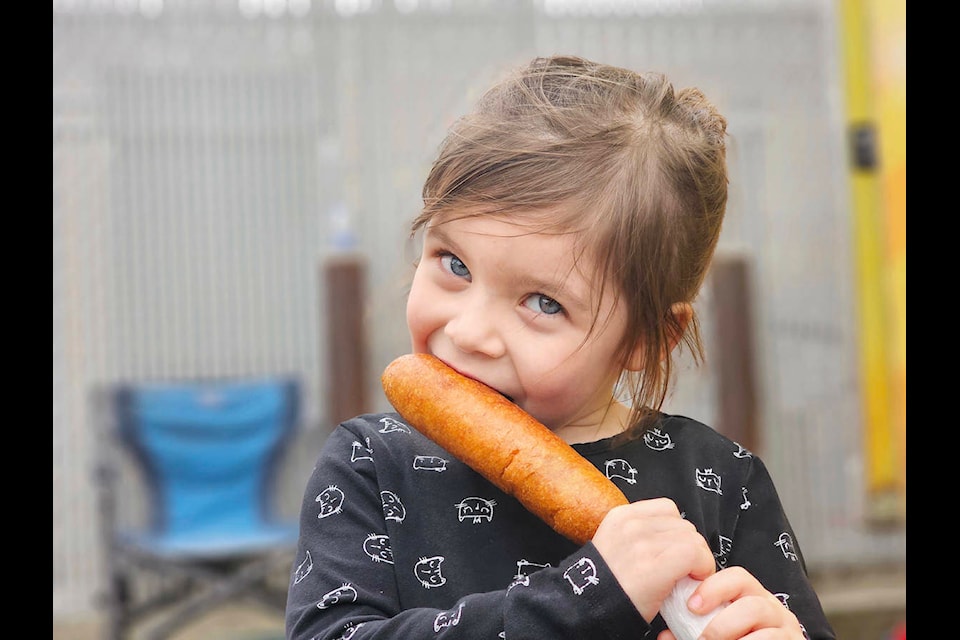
(331, 501)
(476, 510)
(429, 573)
(581, 575)
(392, 507)
(447, 619)
(391, 425)
(709, 481)
(377, 546)
(658, 440)
(303, 569)
(524, 569)
(345, 593)
(430, 463)
(785, 542)
(620, 468)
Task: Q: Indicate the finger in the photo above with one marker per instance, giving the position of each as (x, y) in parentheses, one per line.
(726, 585)
(658, 524)
(685, 554)
(657, 506)
(630, 522)
(754, 617)
(662, 507)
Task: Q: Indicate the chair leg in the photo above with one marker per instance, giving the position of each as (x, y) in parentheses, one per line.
(269, 597)
(117, 600)
(224, 588)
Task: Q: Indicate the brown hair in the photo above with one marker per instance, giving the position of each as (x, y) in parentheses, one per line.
(620, 157)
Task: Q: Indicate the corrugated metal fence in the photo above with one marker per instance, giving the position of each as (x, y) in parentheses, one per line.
(202, 150)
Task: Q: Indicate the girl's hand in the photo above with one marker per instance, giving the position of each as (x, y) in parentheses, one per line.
(753, 613)
(648, 547)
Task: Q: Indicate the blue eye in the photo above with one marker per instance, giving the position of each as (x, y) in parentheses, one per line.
(543, 304)
(454, 265)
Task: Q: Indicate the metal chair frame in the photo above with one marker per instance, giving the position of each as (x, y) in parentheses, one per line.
(165, 588)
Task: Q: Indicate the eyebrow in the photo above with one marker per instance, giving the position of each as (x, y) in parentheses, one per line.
(437, 231)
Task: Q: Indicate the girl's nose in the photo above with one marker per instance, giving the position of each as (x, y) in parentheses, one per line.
(474, 330)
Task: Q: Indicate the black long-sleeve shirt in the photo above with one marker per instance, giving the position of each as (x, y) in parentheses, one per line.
(400, 540)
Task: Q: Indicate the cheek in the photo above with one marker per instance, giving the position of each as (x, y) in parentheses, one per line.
(573, 384)
(555, 405)
(556, 391)
(418, 315)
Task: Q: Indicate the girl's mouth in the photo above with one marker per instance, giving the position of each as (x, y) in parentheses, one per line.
(466, 375)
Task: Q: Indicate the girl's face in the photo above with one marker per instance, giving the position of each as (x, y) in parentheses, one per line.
(516, 310)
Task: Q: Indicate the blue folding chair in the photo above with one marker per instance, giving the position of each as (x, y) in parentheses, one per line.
(208, 452)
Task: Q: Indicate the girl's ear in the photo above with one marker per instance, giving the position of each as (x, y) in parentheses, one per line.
(682, 313)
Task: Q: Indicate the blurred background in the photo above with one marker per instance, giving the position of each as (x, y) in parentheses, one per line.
(233, 182)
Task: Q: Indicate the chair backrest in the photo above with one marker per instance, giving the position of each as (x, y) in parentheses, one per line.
(209, 448)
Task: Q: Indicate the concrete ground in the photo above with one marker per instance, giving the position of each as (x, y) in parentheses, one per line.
(865, 604)
(861, 605)
(233, 622)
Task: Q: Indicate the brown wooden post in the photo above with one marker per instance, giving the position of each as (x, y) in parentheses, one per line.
(734, 350)
(345, 277)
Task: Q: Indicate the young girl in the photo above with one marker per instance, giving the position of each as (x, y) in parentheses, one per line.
(568, 224)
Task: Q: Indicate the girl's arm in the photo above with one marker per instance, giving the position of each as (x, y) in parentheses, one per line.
(345, 580)
(764, 577)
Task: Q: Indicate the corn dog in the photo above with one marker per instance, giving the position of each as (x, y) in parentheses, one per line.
(503, 443)
(519, 455)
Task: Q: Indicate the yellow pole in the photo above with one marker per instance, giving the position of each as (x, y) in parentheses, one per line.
(880, 303)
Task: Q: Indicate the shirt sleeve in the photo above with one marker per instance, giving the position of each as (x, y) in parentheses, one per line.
(343, 583)
(765, 544)
(580, 598)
